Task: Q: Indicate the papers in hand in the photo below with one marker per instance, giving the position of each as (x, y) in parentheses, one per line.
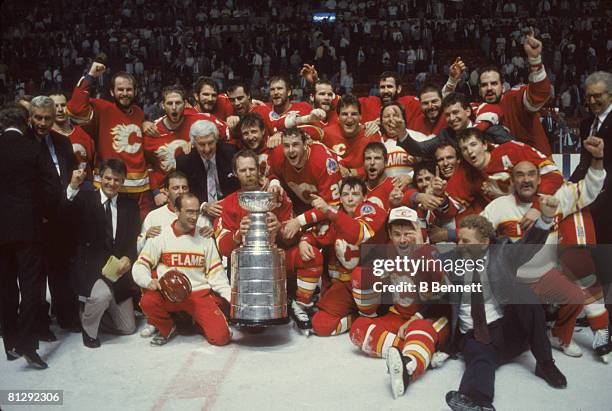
(111, 269)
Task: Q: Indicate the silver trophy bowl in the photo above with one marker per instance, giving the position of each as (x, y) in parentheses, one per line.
(258, 277)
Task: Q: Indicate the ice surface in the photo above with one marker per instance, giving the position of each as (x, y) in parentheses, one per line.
(279, 370)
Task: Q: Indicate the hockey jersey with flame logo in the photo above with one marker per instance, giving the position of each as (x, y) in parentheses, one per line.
(345, 234)
(191, 254)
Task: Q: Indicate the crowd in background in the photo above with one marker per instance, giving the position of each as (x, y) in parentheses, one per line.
(177, 41)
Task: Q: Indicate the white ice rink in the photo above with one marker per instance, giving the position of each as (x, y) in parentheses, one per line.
(279, 370)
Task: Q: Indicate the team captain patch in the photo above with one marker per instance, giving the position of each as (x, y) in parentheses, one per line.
(332, 166)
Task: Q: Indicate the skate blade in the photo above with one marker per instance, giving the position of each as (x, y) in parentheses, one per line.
(307, 332)
(605, 358)
(394, 368)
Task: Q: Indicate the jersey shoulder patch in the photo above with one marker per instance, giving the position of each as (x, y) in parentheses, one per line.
(331, 165)
(367, 209)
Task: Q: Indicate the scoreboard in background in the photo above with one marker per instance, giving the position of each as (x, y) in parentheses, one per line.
(323, 17)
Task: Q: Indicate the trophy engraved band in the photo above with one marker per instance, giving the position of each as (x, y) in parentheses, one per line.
(258, 277)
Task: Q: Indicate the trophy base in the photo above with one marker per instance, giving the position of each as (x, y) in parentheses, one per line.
(258, 323)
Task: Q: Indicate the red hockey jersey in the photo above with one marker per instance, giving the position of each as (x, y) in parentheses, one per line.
(521, 106)
(345, 234)
(83, 147)
(228, 224)
(350, 150)
(117, 133)
(464, 187)
(320, 175)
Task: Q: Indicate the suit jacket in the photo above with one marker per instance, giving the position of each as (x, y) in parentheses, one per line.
(193, 167)
(504, 258)
(65, 157)
(54, 236)
(427, 148)
(600, 209)
(30, 185)
(91, 250)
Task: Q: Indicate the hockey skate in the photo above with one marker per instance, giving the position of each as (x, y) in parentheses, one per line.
(398, 366)
(602, 345)
(160, 340)
(301, 315)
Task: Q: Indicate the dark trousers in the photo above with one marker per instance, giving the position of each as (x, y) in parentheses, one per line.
(521, 327)
(64, 302)
(20, 261)
(602, 257)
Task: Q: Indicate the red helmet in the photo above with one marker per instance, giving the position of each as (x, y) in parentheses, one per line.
(175, 286)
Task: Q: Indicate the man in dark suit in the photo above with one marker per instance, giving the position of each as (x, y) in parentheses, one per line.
(56, 243)
(106, 225)
(497, 320)
(209, 167)
(31, 191)
(599, 98)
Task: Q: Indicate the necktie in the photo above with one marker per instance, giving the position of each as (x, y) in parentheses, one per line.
(595, 126)
(481, 331)
(108, 226)
(211, 181)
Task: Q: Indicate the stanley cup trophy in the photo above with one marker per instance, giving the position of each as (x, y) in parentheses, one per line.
(259, 289)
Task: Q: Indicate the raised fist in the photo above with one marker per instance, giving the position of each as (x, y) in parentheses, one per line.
(594, 145)
(97, 69)
(78, 176)
(548, 205)
(532, 46)
(457, 69)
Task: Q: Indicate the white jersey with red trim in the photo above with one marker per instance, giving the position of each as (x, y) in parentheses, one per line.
(162, 217)
(191, 254)
(399, 161)
(506, 213)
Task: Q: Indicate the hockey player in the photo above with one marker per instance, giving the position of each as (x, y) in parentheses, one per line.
(116, 128)
(351, 224)
(181, 247)
(521, 104)
(379, 185)
(242, 104)
(410, 333)
(175, 185)
(173, 137)
(281, 105)
(322, 97)
(347, 138)
(458, 113)
(208, 99)
(542, 273)
(421, 118)
(233, 223)
(304, 168)
(447, 159)
(82, 143)
(484, 175)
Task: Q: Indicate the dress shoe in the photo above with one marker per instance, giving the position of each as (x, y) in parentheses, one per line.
(34, 359)
(47, 336)
(12, 355)
(90, 342)
(551, 374)
(461, 402)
